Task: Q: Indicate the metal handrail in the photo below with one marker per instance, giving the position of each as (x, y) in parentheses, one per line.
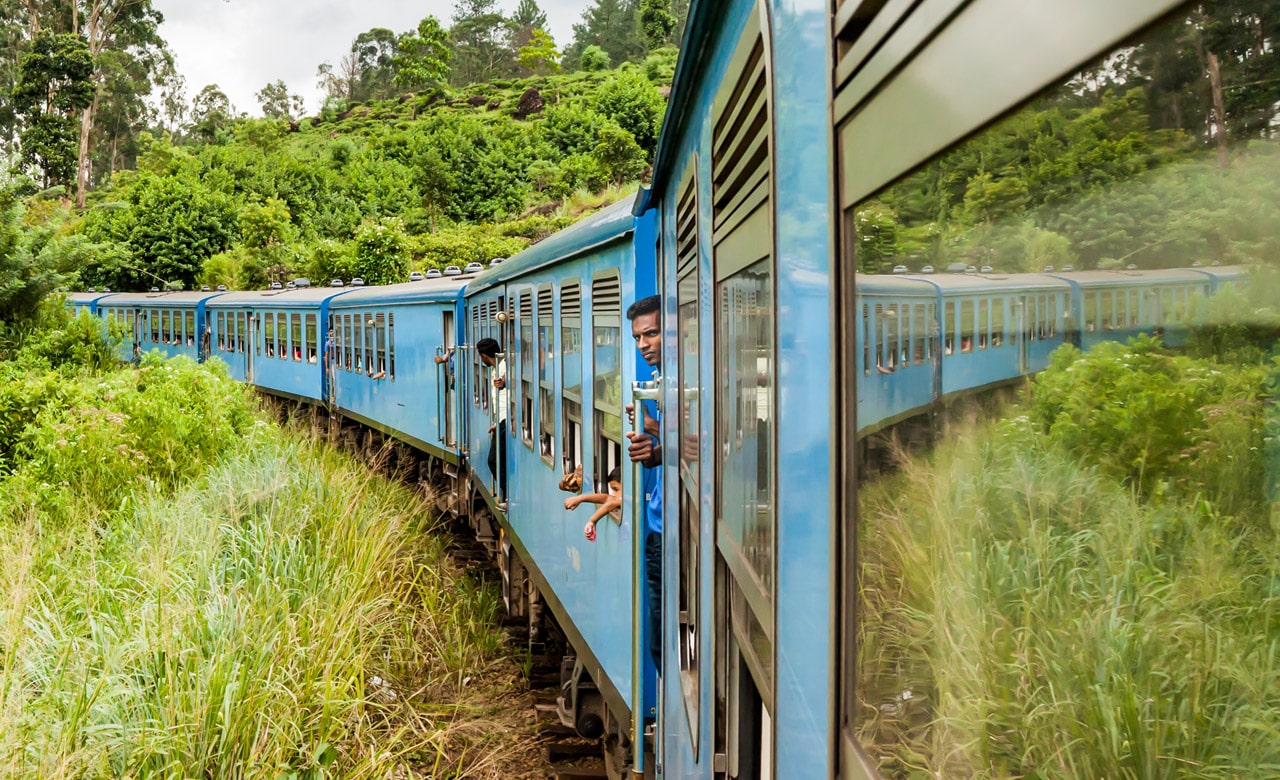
(640, 392)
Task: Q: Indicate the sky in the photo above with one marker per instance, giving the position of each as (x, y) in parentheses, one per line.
(242, 45)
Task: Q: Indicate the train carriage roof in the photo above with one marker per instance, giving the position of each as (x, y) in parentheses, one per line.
(1132, 278)
(603, 227)
(299, 297)
(186, 299)
(443, 289)
(911, 284)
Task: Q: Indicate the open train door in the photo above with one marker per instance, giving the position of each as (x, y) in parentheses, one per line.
(250, 347)
(446, 380)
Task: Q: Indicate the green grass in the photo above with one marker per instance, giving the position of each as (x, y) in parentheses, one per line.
(1024, 615)
(279, 611)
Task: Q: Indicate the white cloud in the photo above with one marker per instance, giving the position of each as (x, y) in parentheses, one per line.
(242, 45)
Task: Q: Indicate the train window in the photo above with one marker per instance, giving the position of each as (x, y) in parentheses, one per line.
(571, 371)
(968, 609)
(220, 324)
(370, 323)
(526, 317)
(689, 427)
(295, 336)
(391, 345)
(745, 450)
(606, 339)
(379, 367)
(546, 376)
(269, 333)
(949, 327)
(984, 322)
(865, 338)
(476, 335)
(190, 322)
(966, 326)
(242, 329)
(879, 319)
(309, 340)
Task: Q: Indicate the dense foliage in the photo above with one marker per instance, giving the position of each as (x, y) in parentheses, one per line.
(266, 202)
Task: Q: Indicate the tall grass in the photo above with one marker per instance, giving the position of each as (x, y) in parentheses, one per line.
(236, 628)
(1025, 616)
(185, 591)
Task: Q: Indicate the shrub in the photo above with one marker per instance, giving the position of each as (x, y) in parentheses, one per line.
(382, 252)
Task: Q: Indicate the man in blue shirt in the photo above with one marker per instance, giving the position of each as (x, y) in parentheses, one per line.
(646, 449)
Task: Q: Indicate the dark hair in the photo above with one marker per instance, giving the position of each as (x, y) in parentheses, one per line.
(488, 347)
(614, 475)
(644, 306)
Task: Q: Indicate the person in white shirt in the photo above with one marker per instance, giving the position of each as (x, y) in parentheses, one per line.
(490, 352)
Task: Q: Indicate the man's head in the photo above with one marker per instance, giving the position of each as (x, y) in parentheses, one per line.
(646, 326)
(488, 350)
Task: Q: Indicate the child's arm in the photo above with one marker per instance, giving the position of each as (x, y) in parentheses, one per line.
(608, 505)
(595, 498)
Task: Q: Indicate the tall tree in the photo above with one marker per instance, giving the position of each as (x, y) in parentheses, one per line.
(528, 18)
(211, 113)
(128, 27)
(540, 55)
(277, 103)
(614, 26)
(481, 42)
(423, 57)
(54, 85)
(375, 52)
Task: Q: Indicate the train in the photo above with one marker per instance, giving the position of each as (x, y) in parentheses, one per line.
(779, 357)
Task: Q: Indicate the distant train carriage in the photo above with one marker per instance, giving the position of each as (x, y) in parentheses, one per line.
(273, 338)
(172, 322)
(85, 301)
(382, 367)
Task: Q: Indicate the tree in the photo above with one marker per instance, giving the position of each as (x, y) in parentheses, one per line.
(127, 27)
(481, 42)
(375, 56)
(211, 113)
(54, 84)
(277, 103)
(613, 25)
(594, 59)
(423, 57)
(528, 18)
(657, 22)
(540, 56)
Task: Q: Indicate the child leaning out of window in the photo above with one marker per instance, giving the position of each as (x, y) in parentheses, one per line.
(608, 502)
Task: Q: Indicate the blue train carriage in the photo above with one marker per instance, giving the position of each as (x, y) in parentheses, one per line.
(382, 370)
(741, 188)
(1118, 305)
(899, 364)
(557, 311)
(272, 338)
(172, 322)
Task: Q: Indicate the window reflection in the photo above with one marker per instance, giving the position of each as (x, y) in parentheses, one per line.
(1086, 587)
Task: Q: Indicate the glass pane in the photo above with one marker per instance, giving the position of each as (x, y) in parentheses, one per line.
(608, 379)
(745, 361)
(1081, 581)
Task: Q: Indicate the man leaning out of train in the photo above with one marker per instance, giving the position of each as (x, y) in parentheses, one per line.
(646, 449)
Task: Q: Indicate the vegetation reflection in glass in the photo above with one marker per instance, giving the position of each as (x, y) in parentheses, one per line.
(1089, 586)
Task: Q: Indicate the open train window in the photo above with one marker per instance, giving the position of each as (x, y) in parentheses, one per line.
(571, 372)
(310, 338)
(606, 339)
(391, 345)
(546, 376)
(378, 370)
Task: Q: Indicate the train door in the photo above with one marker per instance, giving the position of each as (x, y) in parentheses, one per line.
(448, 381)
(743, 532)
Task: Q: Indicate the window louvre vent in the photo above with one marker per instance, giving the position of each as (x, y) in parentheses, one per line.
(545, 305)
(740, 146)
(571, 300)
(606, 297)
(526, 304)
(687, 231)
